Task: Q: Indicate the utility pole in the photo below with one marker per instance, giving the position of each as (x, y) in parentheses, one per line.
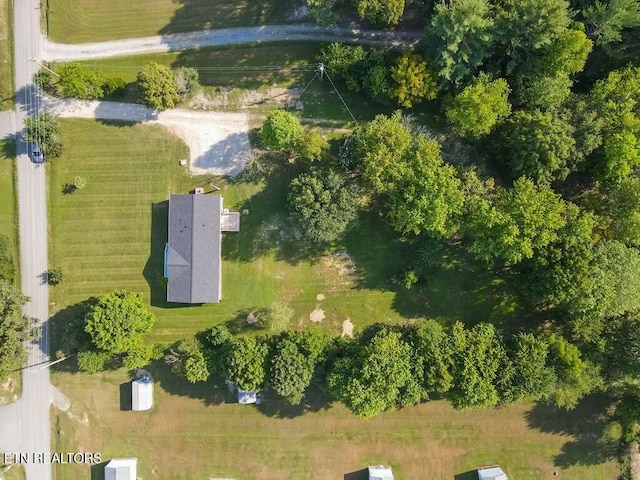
(37, 62)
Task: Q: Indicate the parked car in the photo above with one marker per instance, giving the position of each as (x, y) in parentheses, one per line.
(36, 153)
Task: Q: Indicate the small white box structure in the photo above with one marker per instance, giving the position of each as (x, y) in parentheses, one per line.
(199, 190)
(380, 472)
(121, 469)
(183, 162)
(491, 473)
(142, 392)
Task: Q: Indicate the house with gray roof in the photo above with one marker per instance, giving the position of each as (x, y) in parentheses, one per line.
(121, 469)
(193, 255)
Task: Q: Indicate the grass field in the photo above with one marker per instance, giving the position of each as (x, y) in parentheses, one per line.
(8, 198)
(79, 21)
(190, 433)
(243, 67)
(15, 472)
(6, 55)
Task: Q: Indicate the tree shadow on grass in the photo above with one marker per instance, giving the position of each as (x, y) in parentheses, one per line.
(470, 475)
(97, 471)
(9, 149)
(587, 424)
(211, 392)
(314, 401)
(359, 475)
(66, 332)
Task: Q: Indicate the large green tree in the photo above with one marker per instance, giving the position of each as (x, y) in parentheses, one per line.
(516, 223)
(291, 371)
(459, 37)
(118, 321)
(538, 145)
(7, 265)
(379, 377)
(381, 13)
(323, 204)
(15, 328)
(476, 358)
(623, 205)
(414, 80)
(608, 19)
(429, 342)
(281, 130)
(479, 107)
(78, 81)
(246, 363)
(157, 87)
(42, 129)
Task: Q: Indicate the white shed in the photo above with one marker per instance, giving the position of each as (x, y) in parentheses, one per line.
(142, 392)
(380, 472)
(247, 397)
(121, 469)
(491, 473)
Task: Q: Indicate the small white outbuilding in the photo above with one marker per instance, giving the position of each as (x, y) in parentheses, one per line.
(142, 392)
(491, 473)
(380, 472)
(121, 469)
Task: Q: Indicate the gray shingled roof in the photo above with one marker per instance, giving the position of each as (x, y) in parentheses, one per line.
(194, 255)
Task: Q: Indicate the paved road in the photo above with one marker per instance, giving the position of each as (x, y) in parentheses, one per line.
(26, 422)
(181, 41)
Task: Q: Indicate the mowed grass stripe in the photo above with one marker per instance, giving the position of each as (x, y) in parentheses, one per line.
(77, 21)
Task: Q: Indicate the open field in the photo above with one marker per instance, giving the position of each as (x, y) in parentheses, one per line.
(16, 472)
(258, 70)
(79, 21)
(191, 433)
(6, 55)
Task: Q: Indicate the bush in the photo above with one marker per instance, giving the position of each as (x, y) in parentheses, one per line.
(78, 81)
(55, 276)
(114, 86)
(157, 87)
(137, 357)
(7, 267)
(281, 130)
(187, 80)
(93, 361)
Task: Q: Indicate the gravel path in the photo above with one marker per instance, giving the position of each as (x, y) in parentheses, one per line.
(218, 141)
(181, 41)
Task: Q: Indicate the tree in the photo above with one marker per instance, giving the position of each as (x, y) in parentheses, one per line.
(524, 26)
(278, 317)
(291, 371)
(78, 81)
(413, 80)
(476, 358)
(79, 182)
(55, 275)
(15, 328)
(43, 130)
(312, 342)
(116, 323)
(622, 351)
(281, 130)
(617, 101)
(93, 361)
(379, 377)
(322, 11)
(545, 93)
(157, 87)
(311, 146)
(575, 377)
(137, 357)
(187, 80)
(246, 363)
(623, 204)
(566, 54)
(428, 197)
(479, 107)
(530, 377)
(538, 145)
(516, 222)
(323, 204)
(429, 341)
(380, 13)
(459, 37)
(608, 20)
(343, 61)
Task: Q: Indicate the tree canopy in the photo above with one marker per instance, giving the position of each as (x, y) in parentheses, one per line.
(413, 80)
(157, 87)
(291, 371)
(281, 130)
(15, 328)
(246, 363)
(118, 321)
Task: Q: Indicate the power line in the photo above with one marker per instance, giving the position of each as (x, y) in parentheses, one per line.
(324, 71)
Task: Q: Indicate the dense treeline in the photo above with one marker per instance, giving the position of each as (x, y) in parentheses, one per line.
(389, 367)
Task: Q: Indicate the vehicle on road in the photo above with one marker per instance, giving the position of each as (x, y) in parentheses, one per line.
(35, 153)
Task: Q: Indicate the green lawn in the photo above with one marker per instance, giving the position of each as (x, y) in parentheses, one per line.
(236, 69)
(191, 433)
(6, 55)
(79, 21)
(8, 199)
(15, 472)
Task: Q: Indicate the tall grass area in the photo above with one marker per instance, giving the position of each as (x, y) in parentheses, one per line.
(8, 199)
(79, 21)
(192, 433)
(6, 55)
(239, 68)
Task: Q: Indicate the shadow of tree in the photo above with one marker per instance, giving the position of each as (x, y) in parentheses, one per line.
(314, 401)
(470, 475)
(211, 392)
(587, 424)
(359, 475)
(66, 332)
(97, 471)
